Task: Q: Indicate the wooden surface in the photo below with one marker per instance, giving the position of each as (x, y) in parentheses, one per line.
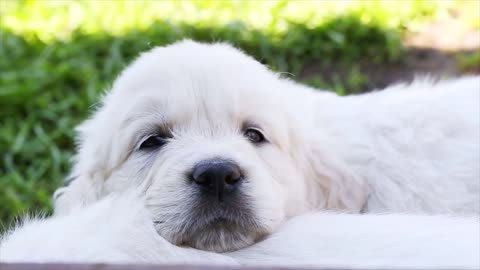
(140, 267)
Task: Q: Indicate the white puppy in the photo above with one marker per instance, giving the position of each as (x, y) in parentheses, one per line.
(227, 151)
(120, 230)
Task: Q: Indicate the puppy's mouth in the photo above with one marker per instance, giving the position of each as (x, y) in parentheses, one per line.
(218, 229)
(220, 235)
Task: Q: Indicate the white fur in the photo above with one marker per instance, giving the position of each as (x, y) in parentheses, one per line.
(119, 229)
(116, 229)
(409, 148)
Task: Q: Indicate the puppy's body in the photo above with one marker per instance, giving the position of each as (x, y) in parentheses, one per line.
(412, 147)
(372, 241)
(120, 230)
(292, 149)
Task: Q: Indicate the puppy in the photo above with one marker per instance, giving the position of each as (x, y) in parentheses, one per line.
(227, 150)
(120, 229)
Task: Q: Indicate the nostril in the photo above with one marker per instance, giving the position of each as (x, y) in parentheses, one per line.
(202, 180)
(202, 177)
(233, 177)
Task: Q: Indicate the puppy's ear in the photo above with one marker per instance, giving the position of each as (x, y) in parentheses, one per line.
(79, 192)
(90, 165)
(341, 188)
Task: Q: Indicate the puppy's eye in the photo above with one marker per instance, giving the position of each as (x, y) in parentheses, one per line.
(254, 135)
(153, 142)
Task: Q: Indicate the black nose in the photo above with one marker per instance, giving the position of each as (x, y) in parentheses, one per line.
(217, 177)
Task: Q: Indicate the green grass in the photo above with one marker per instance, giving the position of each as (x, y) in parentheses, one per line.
(56, 57)
(469, 62)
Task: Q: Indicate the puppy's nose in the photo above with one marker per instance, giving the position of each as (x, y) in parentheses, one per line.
(217, 177)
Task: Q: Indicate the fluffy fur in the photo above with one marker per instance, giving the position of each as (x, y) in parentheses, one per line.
(409, 148)
(120, 229)
(116, 229)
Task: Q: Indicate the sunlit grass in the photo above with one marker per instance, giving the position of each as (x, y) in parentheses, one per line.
(59, 19)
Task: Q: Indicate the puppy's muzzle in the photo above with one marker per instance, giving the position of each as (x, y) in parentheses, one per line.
(217, 177)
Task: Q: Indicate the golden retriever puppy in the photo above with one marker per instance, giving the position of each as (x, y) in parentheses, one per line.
(226, 150)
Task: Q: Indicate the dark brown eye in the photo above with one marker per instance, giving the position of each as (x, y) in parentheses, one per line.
(254, 135)
(153, 142)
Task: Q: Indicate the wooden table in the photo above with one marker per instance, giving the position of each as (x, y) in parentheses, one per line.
(22, 266)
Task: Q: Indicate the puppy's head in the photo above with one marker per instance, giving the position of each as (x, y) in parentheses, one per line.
(201, 128)
(206, 131)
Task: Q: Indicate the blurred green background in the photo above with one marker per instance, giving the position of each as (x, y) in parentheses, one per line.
(56, 58)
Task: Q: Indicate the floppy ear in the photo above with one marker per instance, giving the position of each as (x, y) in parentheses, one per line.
(343, 190)
(91, 165)
(79, 192)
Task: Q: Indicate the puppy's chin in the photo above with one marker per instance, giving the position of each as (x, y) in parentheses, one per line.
(218, 228)
(218, 237)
